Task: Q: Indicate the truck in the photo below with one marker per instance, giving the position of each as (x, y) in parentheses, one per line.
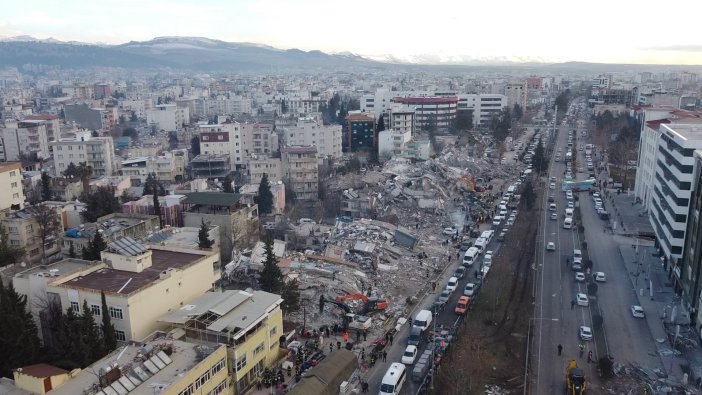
(575, 379)
(351, 321)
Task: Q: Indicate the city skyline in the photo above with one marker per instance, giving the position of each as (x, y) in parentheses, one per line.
(537, 31)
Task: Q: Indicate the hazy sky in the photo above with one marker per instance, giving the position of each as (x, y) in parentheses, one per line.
(613, 31)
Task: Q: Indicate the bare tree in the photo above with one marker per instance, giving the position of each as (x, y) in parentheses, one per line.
(48, 223)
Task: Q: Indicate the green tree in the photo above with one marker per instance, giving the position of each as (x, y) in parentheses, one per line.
(157, 210)
(8, 254)
(381, 123)
(540, 160)
(227, 184)
(87, 251)
(19, 340)
(152, 185)
(45, 186)
(271, 279)
(99, 245)
(100, 203)
(92, 334)
(528, 195)
(203, 236)
(562, 101)
(195, 146)
(126, 197)
(85, 171)
(500, 124)
(517, 112)
(172, 140)
(464, 120)
(71, 171)
(109, 337)
(72, 251)
(265, 196)
(291, 296)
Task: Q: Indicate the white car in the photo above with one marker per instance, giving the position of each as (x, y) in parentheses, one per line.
(599, 277)
(551, 246)
(552, 185)
(579, 276)
(450, 231)
(638, 311)
(582, 300)
(571, 205)
(554, 216)
(409, 355)
(452, 284)
(496, 220)
(585, 333)
(553, 179)
(469, 289)
(487, 259)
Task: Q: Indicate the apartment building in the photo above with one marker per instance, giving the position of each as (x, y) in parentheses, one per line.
(391, 142)
(23, 230)
(162, 366)
(517, 93)
(102, 91)
(51, 122)
(691, 261)
(250, 324)
(237, 140)
(84, 116)
(238, 220)
(401, 119)
(169, 167)
(259, 138)
(431, 112)
(259, 165)
(222, 105)
(248, 194)
(300, 171)
(168, 117)
(210, 166)
(12, 193)
(140, 284)
(484, 106)
(97, 152)
(360, 133)
(672, 186)
(24, 137)
(310, 131)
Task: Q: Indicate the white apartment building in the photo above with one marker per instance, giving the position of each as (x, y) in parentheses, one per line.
(391, 142)
(603, 81)
(401, 119)
(11, 192)
(137, 106)
(484, 106)
(98, 152)
(261, 164)
(310, 131)
(167, 167)
(237, 140)
(168, 117)
(378, 102)
(222, 105)
(673, 184)
(26, 137)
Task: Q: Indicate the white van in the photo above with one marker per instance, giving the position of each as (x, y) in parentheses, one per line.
(480, 244)
(511, 190)
(568, 223)
(470, 256)
(393, 380)
(487, 235)
(569, 213)
(422, 320)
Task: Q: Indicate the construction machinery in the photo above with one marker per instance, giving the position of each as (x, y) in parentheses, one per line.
(351, 321)
(575, 379)
(370, 304)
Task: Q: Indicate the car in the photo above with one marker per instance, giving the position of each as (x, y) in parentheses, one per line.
(579, 276)
(496, 220)
(599, 277)
(409, 355)
(452, 284)
(552, 207)
(469, 289)
(462, 305)
(551, 198)
(569, 196)
(487, 259)
(551, 246)
(450, 231)
(554, 216)
(501, 236)
(638, 311)
(460, 272)
(585, 333)
(553, 179)
(571, 205)
(552, 185)
(444, 296)
(577, 256)
(582, 300)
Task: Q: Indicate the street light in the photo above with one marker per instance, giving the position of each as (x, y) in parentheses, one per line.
(526, 358)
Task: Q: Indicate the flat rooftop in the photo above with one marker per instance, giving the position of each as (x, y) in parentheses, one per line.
(58, 269)
(688, 129)
(125, 282)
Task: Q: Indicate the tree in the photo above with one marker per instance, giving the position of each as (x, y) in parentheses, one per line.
(45, 186)
(517, 112)
(8, 253)
(109, 337)
(172, 140)
(71, 171)
(134, 117)
(90, 331)
(540, 160)
(562, 101)
(271, 279)
(528, 195)
(130, 132)
(283, 107)
(381, 123)
(203, 236)
(91, 252)
(157, 210)
(195, 146)
(265, 196)
(98, 204)
(126, 197)
(19, 340)
(122, 119)
(291, 296)
(227, 184)
(500, 124)
(464, 120)
(48, 222)
(72, 251)
(152, 185)
(85, 171)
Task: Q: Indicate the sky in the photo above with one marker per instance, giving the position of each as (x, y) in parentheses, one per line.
(607, 31)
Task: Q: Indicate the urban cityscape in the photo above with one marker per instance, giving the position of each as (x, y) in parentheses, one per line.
(192, 205)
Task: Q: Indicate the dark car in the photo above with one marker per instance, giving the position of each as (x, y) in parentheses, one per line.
(501, 236)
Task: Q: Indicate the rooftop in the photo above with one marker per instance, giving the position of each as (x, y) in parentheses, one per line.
(42, 370)
(360, 117)
(212, 198)
(299, 149)
(8, 166)
(425, 100)
(687, 130)
(125, 282)
(57, 269)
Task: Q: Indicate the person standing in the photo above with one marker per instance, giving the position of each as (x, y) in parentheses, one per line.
(572, 304)
(589, 356)
(560, 349)
(392, 337)
(385, 355)
(346, 336)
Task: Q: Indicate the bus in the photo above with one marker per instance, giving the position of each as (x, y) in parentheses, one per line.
(578, 186)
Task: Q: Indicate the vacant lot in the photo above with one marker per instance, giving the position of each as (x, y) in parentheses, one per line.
(491, 342)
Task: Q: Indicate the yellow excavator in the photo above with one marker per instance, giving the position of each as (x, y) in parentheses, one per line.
(575, 379)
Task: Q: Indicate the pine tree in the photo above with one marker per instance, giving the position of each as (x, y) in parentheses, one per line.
(72, 251)
(8, 253)
(203, 237)
(87, 251)
(45, 186)
(91, 332)
(265, 196)
(271, 279)
(99, 244)
(157, 210)
(109, 337)
(291, 296)
(195, 146)
(19, 340)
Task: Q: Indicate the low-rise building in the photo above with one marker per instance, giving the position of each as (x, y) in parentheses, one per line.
(300, 171)
(391, 142)
(112, 227)
(249, 194)
(249, 324)
(171, 208)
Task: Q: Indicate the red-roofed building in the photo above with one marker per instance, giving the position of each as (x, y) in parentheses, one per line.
(40, 378)
(431, 112)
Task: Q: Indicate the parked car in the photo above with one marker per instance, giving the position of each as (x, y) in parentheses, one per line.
(462, 305)
(409, 355)
(582, 300)
(585, 333)
(579, 276)
(444, 296)
(469, 289)
(501, 236)
(460, 272)
(452, 284)
(450, 231)
(638, 311)
(599, 277)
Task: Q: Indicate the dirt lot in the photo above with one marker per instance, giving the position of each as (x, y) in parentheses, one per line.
(491, 343)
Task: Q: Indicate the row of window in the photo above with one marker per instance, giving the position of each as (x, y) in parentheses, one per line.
(115, 312)
(204, 378)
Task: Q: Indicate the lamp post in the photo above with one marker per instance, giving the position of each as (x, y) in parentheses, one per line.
(526, 358)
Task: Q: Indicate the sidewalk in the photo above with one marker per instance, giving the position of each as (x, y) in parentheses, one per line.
(641, 268)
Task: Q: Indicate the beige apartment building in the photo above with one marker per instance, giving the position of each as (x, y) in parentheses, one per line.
(300, 171)
(140, 285)
(98, 152)
(24, 137)
(23, 231)
(169, 167)
(263, 164)
(11, 193)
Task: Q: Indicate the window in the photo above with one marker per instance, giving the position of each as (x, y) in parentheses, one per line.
(15, 195)
(13, 173)
(116, 313)
(95, 309)
(219, 389)
(75, 307)
(121, 336)
(241, 363)
(274, 331)
(14, 185)
(258, 349)
(218, 367)
(15, 243)
(12, 229)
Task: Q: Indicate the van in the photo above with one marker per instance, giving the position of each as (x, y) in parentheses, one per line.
(422, 320)
(487, 235)
(393, 380)
(568, 223)
(470, 256)
(569, 213)
(511, 189)
(415, 336)
(481, 243)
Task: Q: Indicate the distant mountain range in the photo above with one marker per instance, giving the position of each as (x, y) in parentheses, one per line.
(204, 54)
